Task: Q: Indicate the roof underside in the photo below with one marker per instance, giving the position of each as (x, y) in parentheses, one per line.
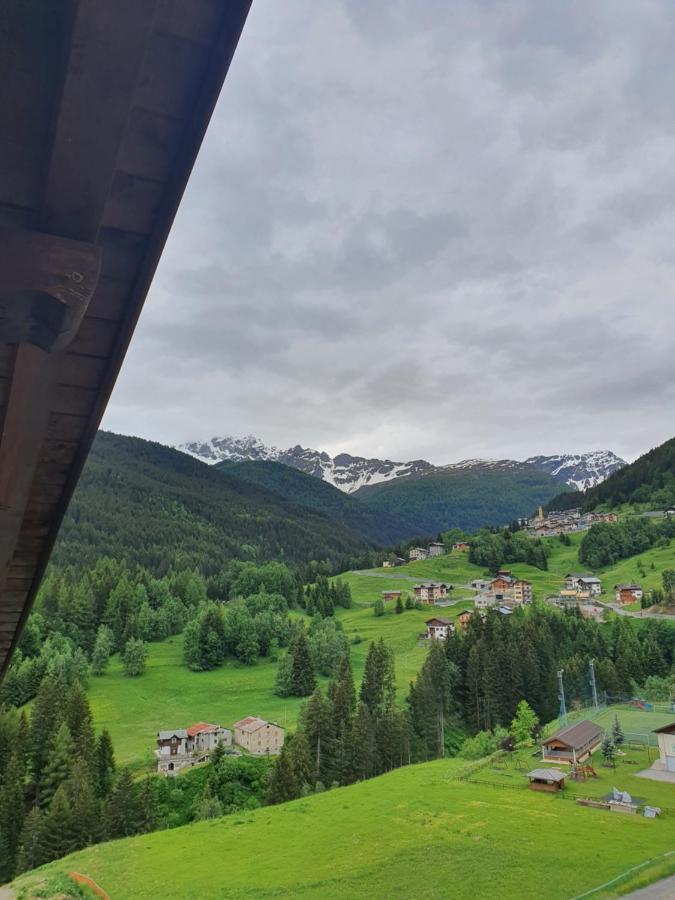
(103, 108)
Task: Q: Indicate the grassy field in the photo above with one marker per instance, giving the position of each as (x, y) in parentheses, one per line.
(636, 723)
(169, 695)
(417, 832)
(457, 570)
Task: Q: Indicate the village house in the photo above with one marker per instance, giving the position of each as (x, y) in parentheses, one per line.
(572, 744)
(464, 618)
(628, 593)
(186, 747)
(522, 591)
(392, 562)
(666, 738)
(480, 584)
(590, 584)
(439, 629)
(428, 593)
(484, 600)
(668, 513)
(391, 595)
(417, 553)
(502, 586)
(436, 549)
(461, 547)
(259, 737)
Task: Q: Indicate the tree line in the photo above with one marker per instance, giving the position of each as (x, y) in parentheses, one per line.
(605, 544)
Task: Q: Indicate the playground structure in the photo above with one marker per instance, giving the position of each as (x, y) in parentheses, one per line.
(582, 772)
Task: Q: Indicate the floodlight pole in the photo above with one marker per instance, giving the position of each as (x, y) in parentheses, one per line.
(562, 715)
(594, 690)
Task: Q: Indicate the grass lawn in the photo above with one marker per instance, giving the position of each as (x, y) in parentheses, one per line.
(636, 723)
(509, 771)
(169, 695)
(417, 832)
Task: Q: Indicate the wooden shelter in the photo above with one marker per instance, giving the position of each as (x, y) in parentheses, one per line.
(103, 108)
(547, 780)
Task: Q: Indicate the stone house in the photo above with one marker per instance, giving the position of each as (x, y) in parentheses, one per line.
(259, 737)
(418, 553)
(428, 593)
(183, 748)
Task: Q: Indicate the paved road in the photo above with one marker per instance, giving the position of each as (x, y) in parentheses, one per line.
(660, 890)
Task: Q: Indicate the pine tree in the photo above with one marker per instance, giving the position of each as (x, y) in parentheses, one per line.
(11, 817)
(618, 738)
(105, 763)
(303, 681)
(343, 696)
(283, 783)
(79, 720)
(608, 750)
(148, 806)
(47, 715)
(59, 764)
(56, 838)
(283, 683)
(86, 808)
(123, 815)
(378, 686)
(399, 605)
(298, 750)
(361, 748)
(317, 726)
(31, 851)
(378, 607)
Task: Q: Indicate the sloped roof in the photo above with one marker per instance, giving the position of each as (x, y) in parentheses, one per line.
(251, 723)
(167, 735)
(103, 115)
(576, 736)
(665, 729)
(546, 774)
(203, 728)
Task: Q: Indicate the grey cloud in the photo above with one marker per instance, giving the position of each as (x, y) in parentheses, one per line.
(425, 229)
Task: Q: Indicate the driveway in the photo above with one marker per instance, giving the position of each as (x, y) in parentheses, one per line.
(660, 890)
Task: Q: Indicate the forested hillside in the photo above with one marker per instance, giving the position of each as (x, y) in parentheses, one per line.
(463, 498)
(378, 527)
(650, 479)
(149, 505)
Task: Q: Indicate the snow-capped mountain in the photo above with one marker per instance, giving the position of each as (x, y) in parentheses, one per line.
(349, 473)
(579, 470)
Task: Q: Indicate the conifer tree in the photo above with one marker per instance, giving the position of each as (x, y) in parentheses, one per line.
(317, 726)
(399, 605)
(303, 681)
(361, 748)
(283, 683)
(56, 839)
(123, 815)
(378, 686)
(11, 817)
(31, 851)
(46, 717)
(618, 738)
(608, 750)
(79, 721)
(147, 805)
(524, 723)
(283, 783)
(133, 657)
(59, 764)
(85, 807)
(299, 754)
(105, 763)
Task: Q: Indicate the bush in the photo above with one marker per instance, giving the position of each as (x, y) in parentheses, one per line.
(482, 744)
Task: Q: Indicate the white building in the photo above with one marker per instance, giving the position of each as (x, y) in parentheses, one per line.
(666, 736)
(439, 629)
(418, 553)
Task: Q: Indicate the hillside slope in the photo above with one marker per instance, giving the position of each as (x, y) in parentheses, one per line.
(467, 498)
(151, 505)
(377, 527)
(650, 479)
(416, 832)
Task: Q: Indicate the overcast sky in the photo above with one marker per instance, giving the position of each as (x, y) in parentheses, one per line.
(425, 229)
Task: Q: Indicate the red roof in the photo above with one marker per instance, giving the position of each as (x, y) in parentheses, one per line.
(201, 728)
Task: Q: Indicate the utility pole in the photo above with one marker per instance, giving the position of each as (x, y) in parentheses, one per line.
(562, 715)
(594, 690)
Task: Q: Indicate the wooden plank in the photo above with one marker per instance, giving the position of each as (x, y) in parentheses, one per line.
(150, 144)
(56, 452)
(76, 401)
(96, 337)
(195, 22)
(50, 473)
(171, 74)
(110, 299)
(7, 353)
(66, 428)
(107, 50)
(81, 371)
(133, 203)
(122, 253)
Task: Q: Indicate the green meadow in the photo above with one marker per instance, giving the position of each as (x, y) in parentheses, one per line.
(169, 695)
(417, 832)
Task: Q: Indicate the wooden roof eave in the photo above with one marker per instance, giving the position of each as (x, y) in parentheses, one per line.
(127, 106)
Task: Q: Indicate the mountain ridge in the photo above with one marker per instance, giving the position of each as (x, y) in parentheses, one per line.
(350, 474)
